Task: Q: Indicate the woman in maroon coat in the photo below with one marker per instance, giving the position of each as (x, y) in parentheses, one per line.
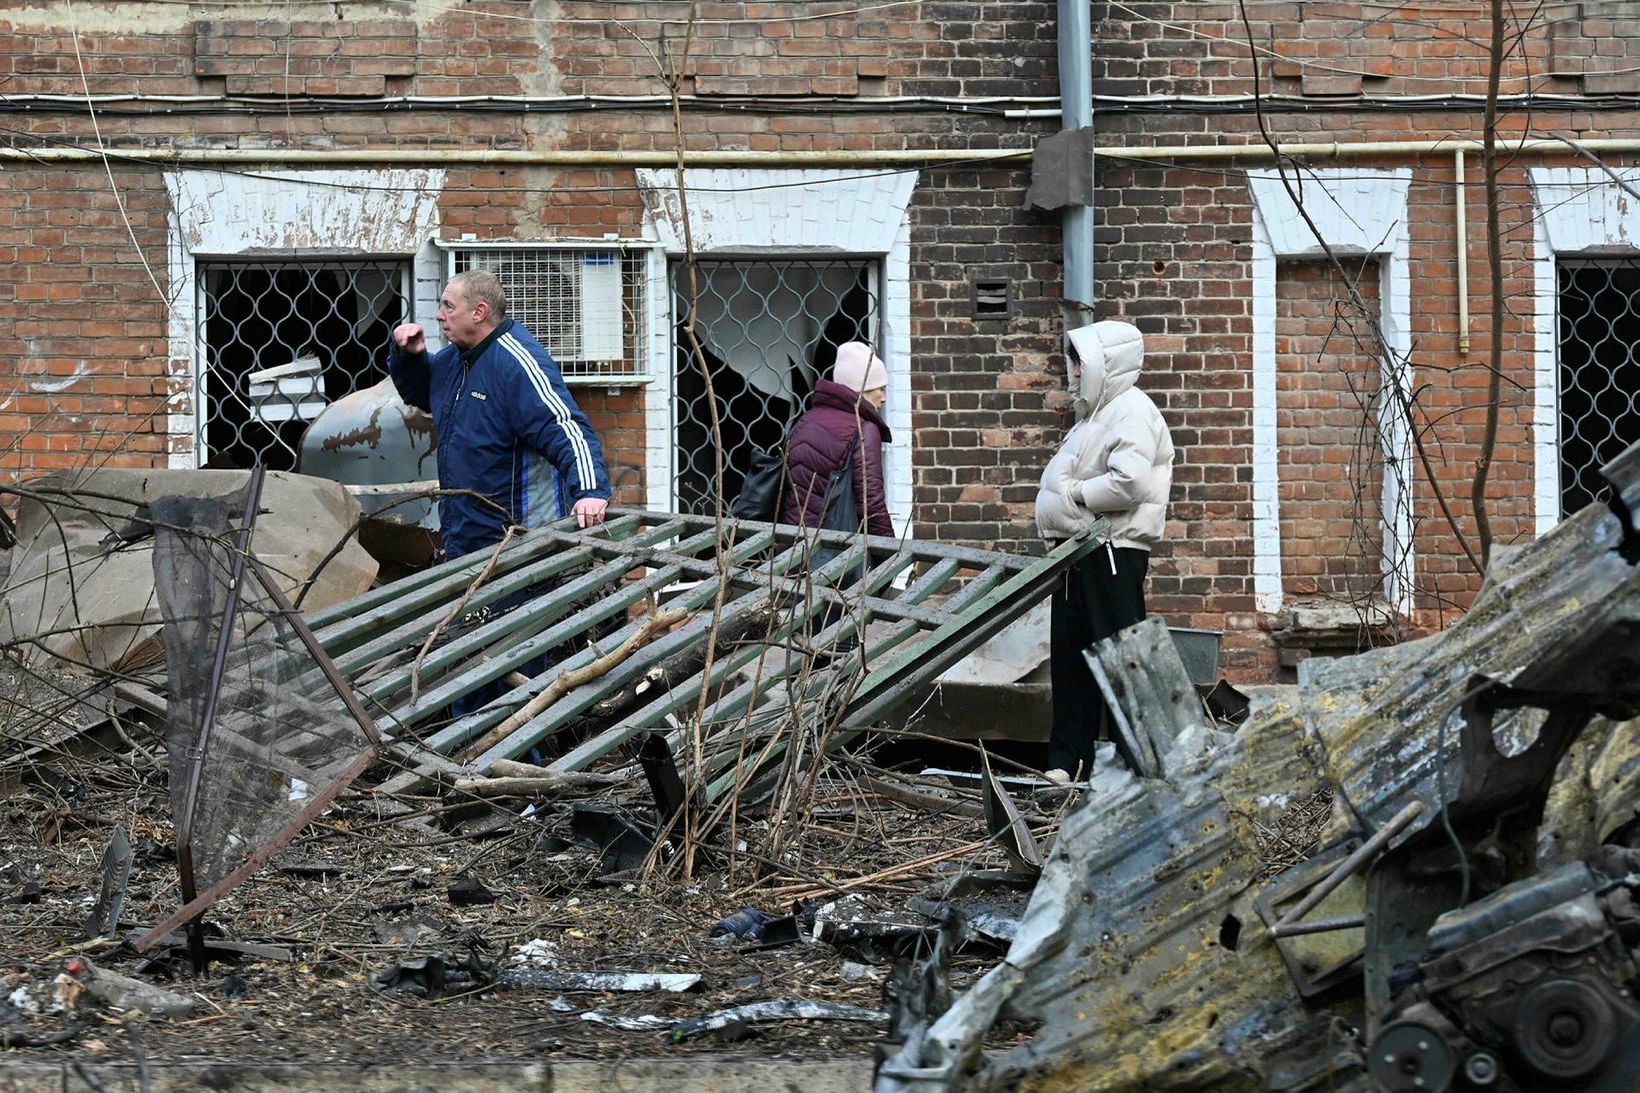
(842, 410)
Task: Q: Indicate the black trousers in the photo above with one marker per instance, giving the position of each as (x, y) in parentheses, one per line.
(1101, 595)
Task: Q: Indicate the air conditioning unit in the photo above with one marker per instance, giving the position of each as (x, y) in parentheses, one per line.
(587, 306)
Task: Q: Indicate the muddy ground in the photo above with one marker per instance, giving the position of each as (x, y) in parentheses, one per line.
(362, 892)
(375, 885)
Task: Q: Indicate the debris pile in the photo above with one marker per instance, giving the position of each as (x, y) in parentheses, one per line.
(1461, 927)
(621, 775)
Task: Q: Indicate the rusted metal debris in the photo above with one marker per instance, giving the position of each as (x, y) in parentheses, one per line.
(1460, 946)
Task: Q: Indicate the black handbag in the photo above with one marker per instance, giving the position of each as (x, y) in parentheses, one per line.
(759, 496)
(842, 513)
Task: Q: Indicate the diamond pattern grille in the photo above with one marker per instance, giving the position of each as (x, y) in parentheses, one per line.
(330, 321)
(1599, 372)
(768, 330)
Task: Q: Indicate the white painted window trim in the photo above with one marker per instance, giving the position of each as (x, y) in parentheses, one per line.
(823, 213)
(1358, 212)
(1579, 211)
(218, 214)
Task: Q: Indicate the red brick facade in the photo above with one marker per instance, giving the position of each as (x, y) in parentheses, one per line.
(89, 307)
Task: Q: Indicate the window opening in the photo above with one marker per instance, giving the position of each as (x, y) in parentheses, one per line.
(309, 331)
(769, 329)
(588, 307)
(1599, 376)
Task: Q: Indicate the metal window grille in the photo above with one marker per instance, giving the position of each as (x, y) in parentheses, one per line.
(768, 329)
(588, 307)
(280, 341)
(1599, 303)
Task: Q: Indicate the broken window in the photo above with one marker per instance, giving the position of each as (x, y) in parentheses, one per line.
(768, 329)
(1599, 380)
(282, 340)
(588, 307)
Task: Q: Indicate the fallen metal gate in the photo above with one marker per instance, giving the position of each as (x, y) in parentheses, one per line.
(791, 652)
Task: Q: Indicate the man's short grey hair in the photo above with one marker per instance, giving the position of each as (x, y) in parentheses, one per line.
(482, 285)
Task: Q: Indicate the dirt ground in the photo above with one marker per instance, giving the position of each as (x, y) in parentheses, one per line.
(358, 894)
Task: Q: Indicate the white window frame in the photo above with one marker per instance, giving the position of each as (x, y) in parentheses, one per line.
(329, 214)
(1580, 212)
(798, 213)
(1359, 212)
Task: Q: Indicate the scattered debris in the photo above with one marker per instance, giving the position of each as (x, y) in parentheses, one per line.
(746, 924)
(1006, 825)
(1472, 961)
(641, 1023)
(979, 906)
(535, 953)
(68, 595)
(468, 891)
(122, 992)
(783, 1010)
(436, 975)
(543, 980)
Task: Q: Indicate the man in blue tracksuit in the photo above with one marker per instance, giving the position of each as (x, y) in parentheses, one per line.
(505, 423)
(506, 428)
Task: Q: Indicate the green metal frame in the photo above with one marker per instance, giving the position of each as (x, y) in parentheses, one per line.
(805, 649)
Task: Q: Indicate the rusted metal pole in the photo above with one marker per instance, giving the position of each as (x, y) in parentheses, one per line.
(196, 770)
(1319, 926)
(1352, 864)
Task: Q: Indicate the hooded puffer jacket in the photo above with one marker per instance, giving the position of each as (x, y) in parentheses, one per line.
(1117, 461)
(820, 442)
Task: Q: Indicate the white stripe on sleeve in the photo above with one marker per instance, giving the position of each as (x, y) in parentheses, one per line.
(579, 447)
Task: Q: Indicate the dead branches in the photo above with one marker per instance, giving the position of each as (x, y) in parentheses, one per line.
(654, 625)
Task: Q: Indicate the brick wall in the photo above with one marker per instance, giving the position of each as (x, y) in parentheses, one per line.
(989, 395)
(1173, 244)
(82, 381)
(1329, 451)
(616, 414)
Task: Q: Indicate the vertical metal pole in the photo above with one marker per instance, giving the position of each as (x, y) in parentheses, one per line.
(1076, 112)
(190, 799)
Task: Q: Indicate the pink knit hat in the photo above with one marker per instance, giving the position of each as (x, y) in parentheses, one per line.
(858, 368)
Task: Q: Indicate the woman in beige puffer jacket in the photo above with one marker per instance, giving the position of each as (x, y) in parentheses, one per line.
(1117, 463)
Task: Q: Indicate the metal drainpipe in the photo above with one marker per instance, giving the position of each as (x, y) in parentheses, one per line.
(1076, 112)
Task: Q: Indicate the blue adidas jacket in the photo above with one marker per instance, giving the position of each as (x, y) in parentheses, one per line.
(507, 427)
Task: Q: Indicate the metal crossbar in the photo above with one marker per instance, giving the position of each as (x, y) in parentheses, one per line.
(794, 649)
